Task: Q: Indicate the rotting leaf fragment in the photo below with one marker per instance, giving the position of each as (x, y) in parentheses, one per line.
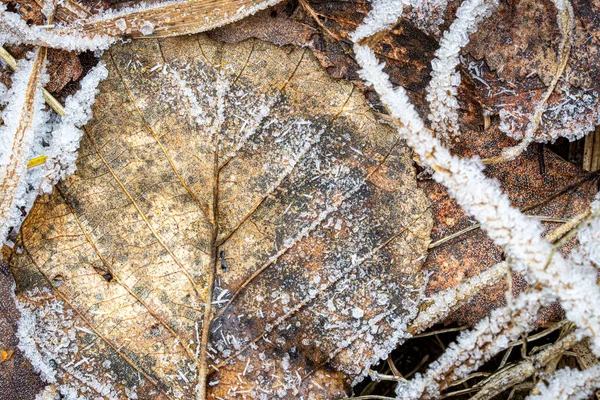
(246, 155)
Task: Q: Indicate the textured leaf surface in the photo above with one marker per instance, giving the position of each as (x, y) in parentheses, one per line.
(515, 59)
(246, 161)
(17, 378)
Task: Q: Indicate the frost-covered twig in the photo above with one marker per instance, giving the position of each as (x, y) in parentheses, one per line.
(61, 132)
(50, 100)
(13, 30)
(383, 14)
(441, 304)
(62, 152)
(473, 348)
(168, 18)
(568, 384)
(518, 373)
(442, 89)
(16, 136)
(566, 25)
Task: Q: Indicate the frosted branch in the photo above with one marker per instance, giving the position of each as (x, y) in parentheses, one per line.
(13, 30)
(442, 89)
(473, 348)
(568, 384)
(64, 144)
(481, 197)
(22, 118)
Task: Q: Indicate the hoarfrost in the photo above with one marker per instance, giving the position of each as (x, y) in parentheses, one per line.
(14, 115)
(442, 89)
(56, 138)
(14, 30)
(569, 384)
(147, 28)
(45, 332)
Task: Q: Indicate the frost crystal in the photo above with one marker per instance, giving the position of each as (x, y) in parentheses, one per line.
(14, 30)
(568, 384)
(442, 89)
(147, 28)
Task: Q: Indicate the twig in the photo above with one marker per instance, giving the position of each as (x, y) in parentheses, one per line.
(477, 226)
(518, 373)
(50, 100)
(565, 22)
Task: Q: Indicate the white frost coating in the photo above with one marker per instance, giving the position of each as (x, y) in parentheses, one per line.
(12, 116)
(126, 12)
(13, 30)
(446, 301)
(519, 236)
(442, 89)
(473, 348)
(26, 335)
(63, 136)
(64, 143)
(427, 15)
(384, 14)
(47, 337)
(568, 384)
(589, 239)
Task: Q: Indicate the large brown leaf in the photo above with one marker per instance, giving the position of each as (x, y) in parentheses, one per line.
(247, 162)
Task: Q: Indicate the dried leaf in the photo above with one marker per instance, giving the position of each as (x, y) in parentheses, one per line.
(325, 26)
(17, 378)
(168, 18)
(519, 49)
(247, 162)
(64, 67)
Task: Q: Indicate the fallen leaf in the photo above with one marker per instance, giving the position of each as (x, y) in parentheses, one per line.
(514, 58)
(247, 165)
(325, 27)
(164, 19)
(64, 67)
(17, 377)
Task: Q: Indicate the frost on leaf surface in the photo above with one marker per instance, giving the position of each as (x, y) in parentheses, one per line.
(514, 61)
(248, 158)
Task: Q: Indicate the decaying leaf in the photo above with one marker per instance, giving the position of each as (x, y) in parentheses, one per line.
(231, 187)
(514, 60)
(325, 27)
(163, 19)
(529, 180)
(17, 378)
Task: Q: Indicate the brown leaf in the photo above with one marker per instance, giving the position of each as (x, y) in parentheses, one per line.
(64, 67)
(167, 19)
(324, 27)
(17, 377)
(244, 163)
(526, 185)
(518, 48)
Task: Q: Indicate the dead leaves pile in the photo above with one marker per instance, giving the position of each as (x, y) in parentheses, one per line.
(281, 262)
